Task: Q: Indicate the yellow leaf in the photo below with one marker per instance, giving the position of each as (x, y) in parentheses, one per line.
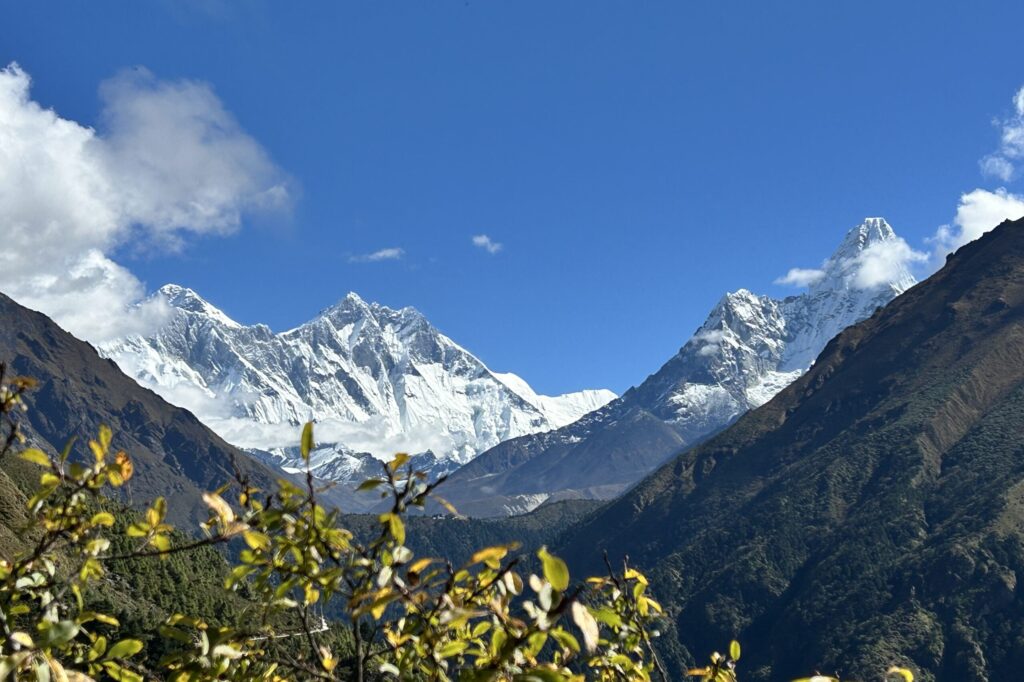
(399, 459)
(23, 638)
(256, 540)
(106, 435)
(491, 556)
(633, 574)
(902, 672)
(103, 519)
(124, 465)
(36, 456)
(420, 565)
(734, 650)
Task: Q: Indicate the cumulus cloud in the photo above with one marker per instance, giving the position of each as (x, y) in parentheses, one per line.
(166, 161)
(487, 244)
(883, 262)
(978, 212)
(1003, 162)
(801, 277)
(393, 253)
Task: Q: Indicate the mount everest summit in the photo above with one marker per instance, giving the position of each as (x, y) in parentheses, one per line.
(749, 348)
(376, 380)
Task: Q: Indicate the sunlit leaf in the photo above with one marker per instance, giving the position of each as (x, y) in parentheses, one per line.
(36, 456)
(555, 570)
(902, 672)
(126, 648)
(306, 445)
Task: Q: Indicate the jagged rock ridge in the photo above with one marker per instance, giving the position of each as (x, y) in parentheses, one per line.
(376, 380)
(749, 349)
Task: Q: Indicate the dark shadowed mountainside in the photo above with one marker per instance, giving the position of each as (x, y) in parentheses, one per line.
(872, 512)
(175, 456)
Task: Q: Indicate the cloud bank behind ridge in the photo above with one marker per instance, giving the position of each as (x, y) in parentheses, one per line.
(167, 161)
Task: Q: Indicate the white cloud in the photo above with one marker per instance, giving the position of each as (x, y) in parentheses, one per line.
(801, 277)
(883, 262)
(1002, 163)
(487, 244)
(168, 160)
(393, 253)
(374, 435)
(709, 341)
(979, 211)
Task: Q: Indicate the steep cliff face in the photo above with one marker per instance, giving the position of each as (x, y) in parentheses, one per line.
(869, 513)
(749, 349)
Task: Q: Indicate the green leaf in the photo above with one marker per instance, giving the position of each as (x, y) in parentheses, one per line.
(256, 540)
(369, 484)
(307, 441)
(555, 570)
(66, 452)
(126, 648)
(452, 648)
(60, 633)
(121, 674)
(395, 525)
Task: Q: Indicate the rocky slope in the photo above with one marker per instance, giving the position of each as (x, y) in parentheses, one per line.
(175, 456)
(872, 512)
(749, 348)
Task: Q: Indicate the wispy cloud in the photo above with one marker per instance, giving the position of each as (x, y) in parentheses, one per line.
(1002, 163)
(393, 253)
(168, 160)
(801, 277)
(487, 244)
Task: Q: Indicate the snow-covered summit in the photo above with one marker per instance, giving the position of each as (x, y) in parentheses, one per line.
(375, 379)
(184, 298)
(749, 348)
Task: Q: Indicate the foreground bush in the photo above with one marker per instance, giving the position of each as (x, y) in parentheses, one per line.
(394, 615)
(406, 617)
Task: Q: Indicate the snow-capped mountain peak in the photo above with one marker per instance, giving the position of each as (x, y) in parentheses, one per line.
(377, 380)
(186, 299)
(749, 348)
(867, 258)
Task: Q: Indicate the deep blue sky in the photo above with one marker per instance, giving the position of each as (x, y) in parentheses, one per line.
(636, 159)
